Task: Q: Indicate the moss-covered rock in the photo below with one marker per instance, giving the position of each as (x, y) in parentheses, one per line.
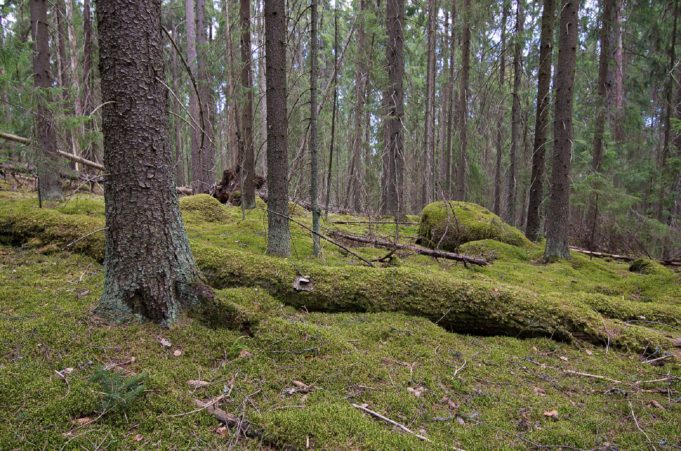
(448, 225)
(648, 267)
(205, 207)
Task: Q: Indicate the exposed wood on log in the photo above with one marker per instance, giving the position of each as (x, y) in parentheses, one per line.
(417, 249)
(625, 258)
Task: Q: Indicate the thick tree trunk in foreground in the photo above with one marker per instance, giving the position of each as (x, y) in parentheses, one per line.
(393, 168)
(49, 185)
(149, 268)
(599, 126)
(558, 214)
(541, 127)
(516, 120)
(314, 150)
(278, 233)
(248, 163)
(500, 119)
(463, 103)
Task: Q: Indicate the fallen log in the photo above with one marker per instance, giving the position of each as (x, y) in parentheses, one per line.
(376, 222)
(417, 249)
(478, 306)
(624, 258)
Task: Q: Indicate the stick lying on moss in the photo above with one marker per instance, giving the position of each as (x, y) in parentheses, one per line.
(469, 306)
(418, 249)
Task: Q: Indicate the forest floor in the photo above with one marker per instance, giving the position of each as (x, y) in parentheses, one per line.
(297, 376)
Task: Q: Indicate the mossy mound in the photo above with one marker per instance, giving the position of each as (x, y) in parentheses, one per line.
(204, 207)
(82, 206)
(483, 306)
(448, 225)
(492, 250)
(649, 267)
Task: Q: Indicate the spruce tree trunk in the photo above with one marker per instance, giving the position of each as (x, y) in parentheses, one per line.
(617, 50)
(541, 127)
(314, 150)
(450, 107)
(500, 119)
(516, 120)
(393, 168)
(558, 214)
(278, 233)
(205, 138)
(195, 152)
(49, 185)
(65, 77)
(248, 163)
(356, 185)
(149, 269)
(87, 94)
(262, 100)
(429, 157)
(463, 103)
(599, 126)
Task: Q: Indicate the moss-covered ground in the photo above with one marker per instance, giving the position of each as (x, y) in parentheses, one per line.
(295, 374)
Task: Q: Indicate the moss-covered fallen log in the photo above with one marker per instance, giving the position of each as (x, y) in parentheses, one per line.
(470, 306)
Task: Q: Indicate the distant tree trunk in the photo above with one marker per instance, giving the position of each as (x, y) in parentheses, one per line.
(314, 151)
(278, 234)
(541, 127)
(429, 157)
(207, 147)
(65, 73)
(669, 95)
(248, 164)
(393, 171)
(444, 102)
(356, 182)
(190, 25)
(87, 97)
(558, 215)
(463, 102)
(500, 119)
(516, 119)
(599, 126)
(450, 106)
(73, 56)
(334, 109)
(149, 267)
(262, 102)
(232, 112)
(180, 174)
(49, 185)
(617, 50)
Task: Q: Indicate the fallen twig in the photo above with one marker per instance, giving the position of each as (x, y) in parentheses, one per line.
(625, 258)
(388, 420)
(323, 237)
(417, 249)
(638, 426)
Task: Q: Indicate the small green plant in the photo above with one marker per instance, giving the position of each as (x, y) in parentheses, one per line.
(119, 392)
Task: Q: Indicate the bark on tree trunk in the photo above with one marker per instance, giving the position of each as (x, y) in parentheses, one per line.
(617, 49)
(314, 150)
(558, 215)
(149, 269)
(356, 185)
(195, 153)
(393, 176)
(541, 127)
(463, 103)
(429, 157)
(515, 113)
(206, 142)
(599, 126)
(278, 233)
(49, 185)
(500, 119)
(248, 163)
(64, 68)
(450, 106)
